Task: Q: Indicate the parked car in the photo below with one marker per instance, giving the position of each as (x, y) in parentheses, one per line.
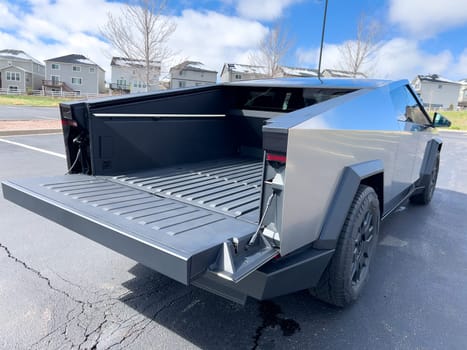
(257, 188)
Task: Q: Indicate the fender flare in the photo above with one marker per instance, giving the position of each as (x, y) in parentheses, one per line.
(431, 151)
(351, 179)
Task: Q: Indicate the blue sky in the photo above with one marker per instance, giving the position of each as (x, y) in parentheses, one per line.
(415, 37)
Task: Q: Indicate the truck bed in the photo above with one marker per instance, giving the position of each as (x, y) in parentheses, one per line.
(167, 219)
(230, 186)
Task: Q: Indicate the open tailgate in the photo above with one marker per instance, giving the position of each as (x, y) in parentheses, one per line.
(174, 238)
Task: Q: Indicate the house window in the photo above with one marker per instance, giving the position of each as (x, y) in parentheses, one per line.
(12, 76)
(238, 76)
(92, 69)
(12, 88)
(77, 81)
(55, 79)
(76, 69)
(440, 86)
(181, 84)
(55, 66)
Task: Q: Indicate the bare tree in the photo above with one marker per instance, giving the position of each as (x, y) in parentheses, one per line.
(356, 55)
(272, 50)
(141, 32)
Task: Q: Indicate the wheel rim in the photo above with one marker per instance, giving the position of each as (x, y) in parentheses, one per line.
(363, 244)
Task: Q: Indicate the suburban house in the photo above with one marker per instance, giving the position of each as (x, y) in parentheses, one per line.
(20, 72)
(128, 75)
(437, 92)
(73, 73)
(190, 73)
(462, 101)
(336, 73)
(235, 71)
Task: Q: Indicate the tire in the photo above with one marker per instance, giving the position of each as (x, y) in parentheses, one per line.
(348, 270)
(429, 185)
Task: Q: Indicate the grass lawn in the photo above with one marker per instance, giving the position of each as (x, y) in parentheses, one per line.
(457, 118)
(35, 101)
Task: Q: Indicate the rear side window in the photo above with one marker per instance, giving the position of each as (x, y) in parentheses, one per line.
(285, 99)
(407, 108)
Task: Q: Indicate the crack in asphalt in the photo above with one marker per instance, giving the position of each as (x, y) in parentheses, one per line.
(80, 331)
(39, 274)
(138, 331)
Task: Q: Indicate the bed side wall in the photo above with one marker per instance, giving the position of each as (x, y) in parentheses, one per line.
(360, 130)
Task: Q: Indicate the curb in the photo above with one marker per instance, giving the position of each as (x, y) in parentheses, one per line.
(29, 132)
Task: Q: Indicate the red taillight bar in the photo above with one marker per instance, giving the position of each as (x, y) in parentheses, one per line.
(68, 122)
(276, 158)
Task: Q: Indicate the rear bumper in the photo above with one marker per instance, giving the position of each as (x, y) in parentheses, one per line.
(297, 271)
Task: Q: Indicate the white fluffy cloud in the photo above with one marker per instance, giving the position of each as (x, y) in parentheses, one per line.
(461, 65)
(263, 10)
(214, 38)
(425, 18)
(310, 57)
(68, 26)
(397, 58)
(403, 58)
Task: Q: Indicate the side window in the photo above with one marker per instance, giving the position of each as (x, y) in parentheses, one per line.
(407, 108)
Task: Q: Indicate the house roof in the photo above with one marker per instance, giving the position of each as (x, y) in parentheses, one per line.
(16, 67)
(18, 55)
(244, 68)
(299, 72)
(132, 62)
(261, 70)
(435, 78)
(74, 58)
(336, 73)
(193, 66)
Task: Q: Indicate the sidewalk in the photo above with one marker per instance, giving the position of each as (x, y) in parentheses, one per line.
(28, 127)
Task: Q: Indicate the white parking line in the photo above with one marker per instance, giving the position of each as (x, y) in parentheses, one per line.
(33, 148)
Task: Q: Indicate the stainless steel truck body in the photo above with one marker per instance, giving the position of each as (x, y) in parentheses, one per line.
(257, 188)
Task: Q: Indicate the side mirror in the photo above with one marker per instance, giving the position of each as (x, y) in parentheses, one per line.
(440, 121)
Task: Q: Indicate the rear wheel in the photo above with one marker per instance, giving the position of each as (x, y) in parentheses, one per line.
(347, 273)
(429, 184)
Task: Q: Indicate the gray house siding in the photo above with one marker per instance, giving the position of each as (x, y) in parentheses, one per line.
(80, 77)
(190, 74)
(74, 73)
(15, 79)
(130, 76)
(437, 92)
(31, 71)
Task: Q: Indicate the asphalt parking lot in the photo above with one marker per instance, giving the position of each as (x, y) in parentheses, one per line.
(28, 113)
(59, 290)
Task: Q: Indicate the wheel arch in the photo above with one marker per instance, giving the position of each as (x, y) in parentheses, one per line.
(370, 173)
(433, 147)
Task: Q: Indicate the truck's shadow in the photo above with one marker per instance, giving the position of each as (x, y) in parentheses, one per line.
(210, 322)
